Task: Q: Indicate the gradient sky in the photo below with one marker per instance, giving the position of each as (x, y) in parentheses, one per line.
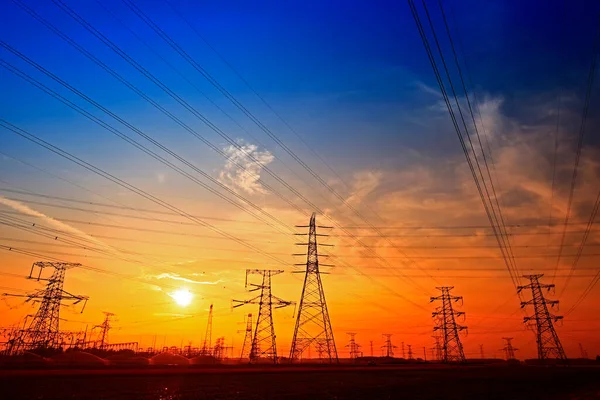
(354, 82)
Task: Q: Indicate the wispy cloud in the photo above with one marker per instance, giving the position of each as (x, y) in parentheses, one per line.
(364, 183)
(177, 277)
(246, 178)
(24, 209)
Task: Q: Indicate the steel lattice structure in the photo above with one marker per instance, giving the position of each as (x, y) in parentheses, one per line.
(388, 347)
(313, 326)
(43, 332)
(104, 328)
(542, 321)
(353, 346)
(445, 317)
(509, 350)
(263, 343)
(246, 346)
(206, 350)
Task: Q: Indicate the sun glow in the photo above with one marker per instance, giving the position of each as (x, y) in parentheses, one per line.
(182, 297)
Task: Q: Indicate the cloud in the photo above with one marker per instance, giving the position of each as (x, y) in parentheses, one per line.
(364, 183)
(177, 277)
(24, 209)
(246, 178)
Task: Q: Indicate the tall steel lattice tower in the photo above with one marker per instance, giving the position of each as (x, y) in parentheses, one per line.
(353, 346)
(509, 350)
(104, 328)
(388, 347)
(445, 317)
(206, 350)
(245, 353)
(263, 343)
(43, 331)
(548, 344)
(313, 327)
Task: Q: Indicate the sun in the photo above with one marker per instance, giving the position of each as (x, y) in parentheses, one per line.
(182, 297)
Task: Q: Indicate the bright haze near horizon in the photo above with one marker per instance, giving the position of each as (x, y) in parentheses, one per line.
(336, 111)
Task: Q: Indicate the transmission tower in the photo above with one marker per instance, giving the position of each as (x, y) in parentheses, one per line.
(313, 326)
(388, 347)
(371, 344)
(206, 350)
(445, 317)
(104, 328)
(481, 352)
(353, 346)
(403, 352)
(548, 344)
(438, 347)
(509, 350)
(584, 353)
(245, 354)
(410, 353)
(43, 331)
(263, 343)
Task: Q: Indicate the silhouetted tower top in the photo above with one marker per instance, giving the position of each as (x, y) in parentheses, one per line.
(542, 321)
(313, 325)
(445, 318)
(43, 332)
(509, 350)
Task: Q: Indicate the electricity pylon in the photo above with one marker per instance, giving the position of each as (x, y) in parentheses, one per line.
(509, 350)
(548, 344)
(43, 331)
(206, 350)
(410, 353)
(445, 316)
(245, 354)
(388, 347)
(104, 328)
(354, 347)
(313, 327)
(263, 343)
(481, 352)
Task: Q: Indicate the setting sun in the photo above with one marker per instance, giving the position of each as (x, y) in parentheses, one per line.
(182, 297)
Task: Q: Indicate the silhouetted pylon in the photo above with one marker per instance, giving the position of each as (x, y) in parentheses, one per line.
(509, 350)
(263, 343)
(445, 317)
(247, 345)
(206, 349)
(481, 351)
(388, 347)
(353, 346)
(410, 353)
(542, 321)
(104, 328)
(313, 326)
(43, 331)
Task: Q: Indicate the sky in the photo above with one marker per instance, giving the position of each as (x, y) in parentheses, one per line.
(340, 111)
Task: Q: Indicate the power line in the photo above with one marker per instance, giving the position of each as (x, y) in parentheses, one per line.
(584, 114)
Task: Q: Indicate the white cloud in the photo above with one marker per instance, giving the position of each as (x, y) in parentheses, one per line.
(177, 277)
(246, 178)
(364, 183)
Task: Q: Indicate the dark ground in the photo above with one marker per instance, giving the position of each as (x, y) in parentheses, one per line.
(401, 382)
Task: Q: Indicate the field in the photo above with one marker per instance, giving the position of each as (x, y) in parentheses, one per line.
(400, 382)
